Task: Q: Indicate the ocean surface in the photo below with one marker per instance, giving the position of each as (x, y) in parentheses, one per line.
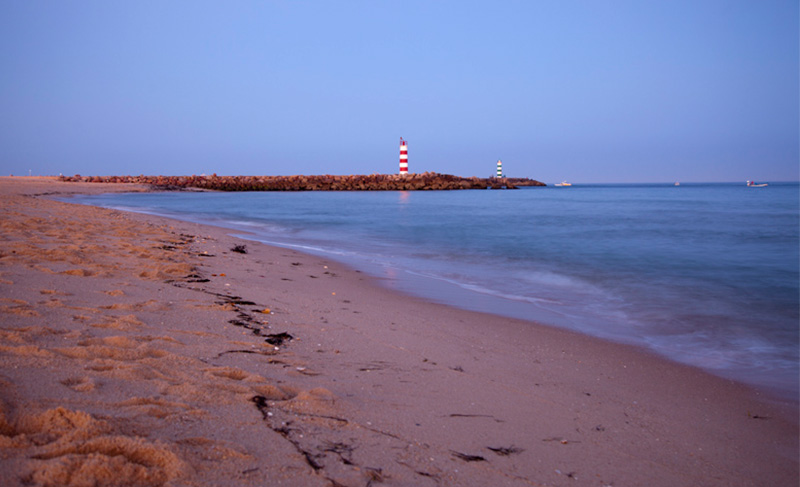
(704, 274)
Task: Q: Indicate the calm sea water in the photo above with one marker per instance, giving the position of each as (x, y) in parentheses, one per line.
(705, 274)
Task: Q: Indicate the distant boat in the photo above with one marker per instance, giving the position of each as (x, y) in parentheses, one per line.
(753, 184)
(677, 183)
(563, 183)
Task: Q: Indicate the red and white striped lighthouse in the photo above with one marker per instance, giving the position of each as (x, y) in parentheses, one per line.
(403, 157)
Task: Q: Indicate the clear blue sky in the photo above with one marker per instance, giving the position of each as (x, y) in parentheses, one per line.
(588, 91)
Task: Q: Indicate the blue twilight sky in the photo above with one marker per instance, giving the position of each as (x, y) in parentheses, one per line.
(587, 91)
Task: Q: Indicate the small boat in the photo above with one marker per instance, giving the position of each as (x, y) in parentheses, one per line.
(753, 184)
(563, 183)
(677, 183)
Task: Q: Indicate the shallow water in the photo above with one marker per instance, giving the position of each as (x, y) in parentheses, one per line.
(705, 274)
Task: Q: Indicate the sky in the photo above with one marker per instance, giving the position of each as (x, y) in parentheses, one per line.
(588, 91)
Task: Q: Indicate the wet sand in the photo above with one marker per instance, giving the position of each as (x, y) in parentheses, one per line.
(137, 350)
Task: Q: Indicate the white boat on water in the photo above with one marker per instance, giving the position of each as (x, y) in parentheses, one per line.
(753, 184)
(563, 183)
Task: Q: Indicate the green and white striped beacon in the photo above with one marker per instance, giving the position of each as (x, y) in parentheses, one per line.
(499, 168)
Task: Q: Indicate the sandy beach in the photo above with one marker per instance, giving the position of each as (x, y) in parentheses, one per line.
(142, 351)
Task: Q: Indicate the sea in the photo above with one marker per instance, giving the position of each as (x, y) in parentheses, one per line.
(703, 274)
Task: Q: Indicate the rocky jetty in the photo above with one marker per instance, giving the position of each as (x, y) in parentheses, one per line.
(372, 182)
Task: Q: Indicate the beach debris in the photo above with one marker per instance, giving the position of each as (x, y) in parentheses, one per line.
(374, 365)
(277, 339)
(424, 474)
(458, 415)
(756, 416)
(261, 404)
(312, 459)
(236, 300)
(506, 451)
(305, 371)
(467, 458)
(374, 475)
(344, 451)
(241, 249)
(257, 352)
(561, 440)
(196, 278)
(253, 328)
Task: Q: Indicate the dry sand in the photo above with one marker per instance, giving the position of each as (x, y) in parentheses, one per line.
(135, 350)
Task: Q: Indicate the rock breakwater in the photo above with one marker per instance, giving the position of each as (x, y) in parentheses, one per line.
(372, 182)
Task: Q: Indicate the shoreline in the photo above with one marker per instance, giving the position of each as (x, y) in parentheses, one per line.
(372, 387)
(428, 289)
(727, 361)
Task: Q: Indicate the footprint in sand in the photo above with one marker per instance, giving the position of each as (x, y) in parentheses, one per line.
(72, 448)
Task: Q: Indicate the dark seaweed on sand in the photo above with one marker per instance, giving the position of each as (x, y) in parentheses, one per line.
(505, 451)
(277, 339)
(468, 458)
